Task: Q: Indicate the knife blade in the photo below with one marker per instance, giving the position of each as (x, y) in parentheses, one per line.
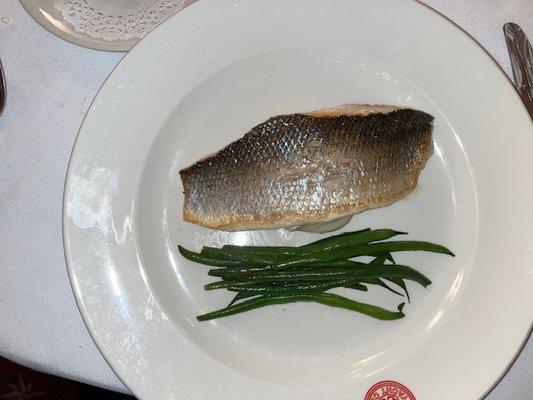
(521, 55)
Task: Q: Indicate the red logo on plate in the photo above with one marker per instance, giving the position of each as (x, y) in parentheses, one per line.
(389, 390)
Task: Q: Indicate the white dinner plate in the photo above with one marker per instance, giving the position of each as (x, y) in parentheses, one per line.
(203, 79)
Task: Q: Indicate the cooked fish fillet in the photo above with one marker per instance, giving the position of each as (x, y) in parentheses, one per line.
(301, 169)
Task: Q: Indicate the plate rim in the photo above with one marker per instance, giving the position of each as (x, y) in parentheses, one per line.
(133, 45)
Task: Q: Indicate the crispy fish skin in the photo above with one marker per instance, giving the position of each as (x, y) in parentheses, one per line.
(304, 168)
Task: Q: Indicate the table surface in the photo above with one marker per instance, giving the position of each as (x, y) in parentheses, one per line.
(51, 84)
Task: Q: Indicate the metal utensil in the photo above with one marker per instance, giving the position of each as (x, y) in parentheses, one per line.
(521, 55)
(2, 89)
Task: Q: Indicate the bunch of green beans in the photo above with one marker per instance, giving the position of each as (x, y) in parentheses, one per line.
(266, 275)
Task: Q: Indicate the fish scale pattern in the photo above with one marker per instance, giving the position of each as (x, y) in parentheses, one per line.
(298, 169)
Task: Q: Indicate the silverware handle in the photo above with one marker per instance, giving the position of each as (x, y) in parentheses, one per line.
(521, 55)
(2, 89)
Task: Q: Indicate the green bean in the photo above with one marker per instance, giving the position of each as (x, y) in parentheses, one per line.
(379, 282)
(351, 241)
(385, 272)
(235, 272)
(280, 281)
(398, 271)
(378, 261)
(262, 275)
(262, 288)
(218, 262)
(248, 253)
(364, 250)
(397, 281)
(270, 251)
(214, 252)
(342, 235)
(281, 251)
(241, 255)
(341, 255)
(390, 272)
(277, 251)
(328, 299)
(355, 286)
(198, 258)
(332, 273)
(284, 275)
(400, 282)
(244, 268)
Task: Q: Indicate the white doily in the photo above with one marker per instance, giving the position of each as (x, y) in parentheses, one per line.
(116, 19)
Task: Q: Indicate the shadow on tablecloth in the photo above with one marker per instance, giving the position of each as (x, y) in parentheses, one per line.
(20, 383)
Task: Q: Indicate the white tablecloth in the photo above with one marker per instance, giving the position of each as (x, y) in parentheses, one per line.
(50, 86)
